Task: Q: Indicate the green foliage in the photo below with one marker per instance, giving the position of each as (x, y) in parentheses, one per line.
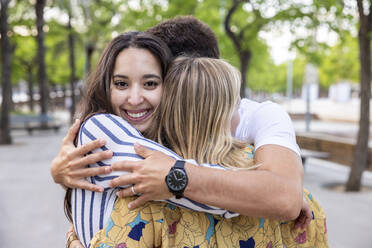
(97, 22)
(341, 63)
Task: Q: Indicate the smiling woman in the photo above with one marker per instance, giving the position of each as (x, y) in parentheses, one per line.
(136, 86)
(127, 82)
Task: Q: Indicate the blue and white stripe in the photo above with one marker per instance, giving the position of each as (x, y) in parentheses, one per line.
(91, 210)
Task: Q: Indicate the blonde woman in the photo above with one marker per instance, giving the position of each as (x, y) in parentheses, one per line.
(194, 119)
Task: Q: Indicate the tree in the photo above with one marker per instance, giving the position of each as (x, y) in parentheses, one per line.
(238, 39)
(360, 160)
(71, 45)
(5, 137)
(42, 76)
(246, 18)
(24, 65)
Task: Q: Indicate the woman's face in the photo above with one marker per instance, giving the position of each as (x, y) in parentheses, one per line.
(136, 86)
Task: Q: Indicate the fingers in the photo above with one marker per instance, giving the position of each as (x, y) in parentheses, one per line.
(124, 193)
(90, 172)
(82, 150)
(83, 184)
(91, 159)
(300, 220)
(72, 132)
(309, 217)
(138, 202)
(142, 151)
(123, 180)
(125, 165)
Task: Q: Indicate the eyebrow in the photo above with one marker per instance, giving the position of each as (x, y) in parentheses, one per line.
(144, 76)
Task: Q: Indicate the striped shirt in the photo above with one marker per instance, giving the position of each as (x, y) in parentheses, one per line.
(91, 210)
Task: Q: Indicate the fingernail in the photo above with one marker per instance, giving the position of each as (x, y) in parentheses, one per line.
(102, 142)
(137, 145)
(130, 205)
(107, 169)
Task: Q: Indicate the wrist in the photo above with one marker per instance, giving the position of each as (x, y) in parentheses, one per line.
(192, 172)
(71, 237)
(177, 179)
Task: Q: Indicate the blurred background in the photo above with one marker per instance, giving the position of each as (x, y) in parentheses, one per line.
(310, 56)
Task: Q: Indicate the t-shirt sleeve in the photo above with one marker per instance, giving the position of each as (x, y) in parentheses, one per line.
(270, 124)
(120, 137)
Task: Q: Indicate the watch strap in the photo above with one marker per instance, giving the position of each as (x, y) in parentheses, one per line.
(180, 164)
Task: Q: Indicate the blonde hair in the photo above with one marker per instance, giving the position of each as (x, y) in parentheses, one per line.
(194, 115)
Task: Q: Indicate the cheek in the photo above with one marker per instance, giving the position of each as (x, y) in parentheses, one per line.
(155, 97)
(115, 99)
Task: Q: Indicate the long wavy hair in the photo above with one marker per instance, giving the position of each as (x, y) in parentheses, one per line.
(97, 97)
(194, 115)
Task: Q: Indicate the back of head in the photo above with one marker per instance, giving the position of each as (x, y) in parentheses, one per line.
(194, 115)
(186, 35)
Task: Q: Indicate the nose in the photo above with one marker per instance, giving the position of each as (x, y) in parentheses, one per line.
(135, 96)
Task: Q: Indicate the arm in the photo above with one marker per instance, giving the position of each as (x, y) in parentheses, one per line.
(269, 191)
(121, 137)
(69, 169)
(273, 190)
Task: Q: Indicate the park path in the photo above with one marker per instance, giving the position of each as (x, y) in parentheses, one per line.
(31, 205)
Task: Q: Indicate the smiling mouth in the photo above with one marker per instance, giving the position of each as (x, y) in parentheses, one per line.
(137, 116)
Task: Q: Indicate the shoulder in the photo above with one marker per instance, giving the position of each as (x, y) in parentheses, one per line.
(255, 115)
(106, 126)
(266, 123)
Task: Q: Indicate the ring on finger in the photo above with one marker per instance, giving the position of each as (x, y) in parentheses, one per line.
(132, 189)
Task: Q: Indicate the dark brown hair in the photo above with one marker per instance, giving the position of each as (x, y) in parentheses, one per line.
(186, 35)
(97, 95)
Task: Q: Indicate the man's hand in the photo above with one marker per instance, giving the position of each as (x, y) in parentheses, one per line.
(147, 176)
(69, 167)
(305, 217)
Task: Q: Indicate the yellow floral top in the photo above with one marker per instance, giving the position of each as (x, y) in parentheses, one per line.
(158, 224)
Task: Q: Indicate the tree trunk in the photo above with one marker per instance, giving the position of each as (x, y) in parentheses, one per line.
(42, 77)
(30, 85)
(72, 69)
(245, 58)
(360, 160)
(89, 49)
(5, 137)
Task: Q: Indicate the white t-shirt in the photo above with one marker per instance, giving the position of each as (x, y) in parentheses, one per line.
(265, 123)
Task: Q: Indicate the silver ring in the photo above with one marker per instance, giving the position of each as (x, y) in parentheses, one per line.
(134, 192)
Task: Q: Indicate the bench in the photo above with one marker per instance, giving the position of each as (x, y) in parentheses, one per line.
(305, 154)
(34, 122)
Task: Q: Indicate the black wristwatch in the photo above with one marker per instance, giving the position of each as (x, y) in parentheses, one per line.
(176, 179)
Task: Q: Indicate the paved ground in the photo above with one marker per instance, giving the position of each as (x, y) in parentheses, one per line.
(31, 209)
(31, 205)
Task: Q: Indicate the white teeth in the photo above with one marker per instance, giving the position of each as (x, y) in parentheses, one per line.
(137, 115)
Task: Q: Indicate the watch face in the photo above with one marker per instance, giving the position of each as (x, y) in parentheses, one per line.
(177, 180)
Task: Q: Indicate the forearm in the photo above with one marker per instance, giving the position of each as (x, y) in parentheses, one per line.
(255, 193)
(120, 137)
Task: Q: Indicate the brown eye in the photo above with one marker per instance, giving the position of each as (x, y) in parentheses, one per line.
(151, 84)
(121, 84)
